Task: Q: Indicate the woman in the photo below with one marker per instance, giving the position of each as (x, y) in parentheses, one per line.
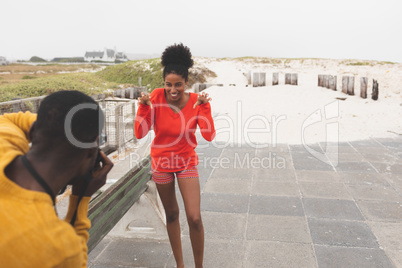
(175, 115)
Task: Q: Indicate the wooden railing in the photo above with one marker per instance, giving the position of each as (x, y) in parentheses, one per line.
(109, 207)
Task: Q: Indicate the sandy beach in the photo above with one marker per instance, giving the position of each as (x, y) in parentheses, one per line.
(304, 113)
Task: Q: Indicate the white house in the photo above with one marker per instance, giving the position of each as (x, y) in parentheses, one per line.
(108, 55)
(3, 61)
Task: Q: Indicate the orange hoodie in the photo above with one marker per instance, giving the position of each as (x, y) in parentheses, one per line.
(173, 146)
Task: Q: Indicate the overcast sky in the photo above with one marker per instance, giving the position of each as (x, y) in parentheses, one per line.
(358, 29)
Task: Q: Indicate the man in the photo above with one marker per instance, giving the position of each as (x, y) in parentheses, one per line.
(63, 152)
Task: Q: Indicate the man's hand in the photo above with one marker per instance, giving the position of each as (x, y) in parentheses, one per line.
(98, 178)
(144, 99)
(202, 98)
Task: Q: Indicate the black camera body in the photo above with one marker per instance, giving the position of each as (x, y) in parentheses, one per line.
(102, 141)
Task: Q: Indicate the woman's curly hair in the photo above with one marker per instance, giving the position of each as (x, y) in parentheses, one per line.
(177, 59)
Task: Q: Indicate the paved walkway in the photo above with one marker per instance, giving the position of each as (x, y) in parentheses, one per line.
(281, 207)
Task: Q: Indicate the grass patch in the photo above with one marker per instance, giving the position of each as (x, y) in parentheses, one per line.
(15, 73)
(88, 83)
(274, 61)
(47, 68)
(360, 63)
(242, 58)
(112, 77)
(366, 63)
(151, 73)
(386, 62)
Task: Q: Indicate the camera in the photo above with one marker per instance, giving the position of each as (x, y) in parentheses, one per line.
(102, 141)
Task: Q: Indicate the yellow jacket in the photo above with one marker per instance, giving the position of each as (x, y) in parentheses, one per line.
(31, 234)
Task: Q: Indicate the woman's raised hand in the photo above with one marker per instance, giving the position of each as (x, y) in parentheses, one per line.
(144, 99)
(202, 98)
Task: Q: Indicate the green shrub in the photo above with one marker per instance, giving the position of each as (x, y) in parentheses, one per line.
(28, 77)
(36, 59)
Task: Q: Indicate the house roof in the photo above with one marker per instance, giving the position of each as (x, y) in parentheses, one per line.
(110, 53)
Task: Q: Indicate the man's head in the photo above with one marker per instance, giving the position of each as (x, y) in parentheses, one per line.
(65, 120)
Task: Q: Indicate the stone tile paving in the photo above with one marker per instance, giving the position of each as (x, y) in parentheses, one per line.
(282, 207)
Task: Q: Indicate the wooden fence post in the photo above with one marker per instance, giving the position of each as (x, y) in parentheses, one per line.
(275, 79)
(363, 87)
(139, 81)
(288, 79)
(375, 90)
(127, 93)
(256, 77)
(118, 93)
(293, 79)
(327, 81)
(202, 87)
(249, 77)
(262, 79)
(320, 76)
(345, 80)
(196, 88)
(351, 85)
(332, 82)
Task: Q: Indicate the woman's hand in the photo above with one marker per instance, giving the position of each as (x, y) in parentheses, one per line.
(202, 98)
(144, 99)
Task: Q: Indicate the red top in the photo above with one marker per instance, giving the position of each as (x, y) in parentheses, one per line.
(173, 146)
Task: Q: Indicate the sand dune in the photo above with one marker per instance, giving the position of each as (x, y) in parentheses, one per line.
(305, 113)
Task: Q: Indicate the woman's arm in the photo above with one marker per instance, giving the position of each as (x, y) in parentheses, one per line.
(206, 122)
(143, 120)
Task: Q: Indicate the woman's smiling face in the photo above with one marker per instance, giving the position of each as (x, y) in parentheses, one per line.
(175, 86)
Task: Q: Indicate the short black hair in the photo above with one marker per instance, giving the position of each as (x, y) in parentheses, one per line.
(177, 59)
(86, 123)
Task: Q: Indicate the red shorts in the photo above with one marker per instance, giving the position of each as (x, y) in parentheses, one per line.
(167, 177)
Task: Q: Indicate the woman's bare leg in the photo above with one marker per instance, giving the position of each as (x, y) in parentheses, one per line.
(168, 197)
(190, 191)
